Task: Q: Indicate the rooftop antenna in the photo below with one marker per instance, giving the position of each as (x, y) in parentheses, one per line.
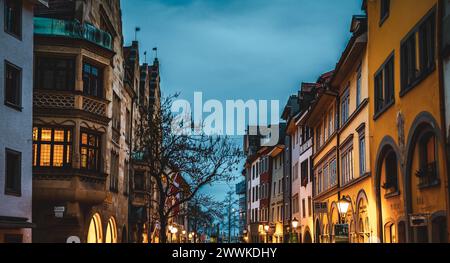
(145, 57)
(136, 30)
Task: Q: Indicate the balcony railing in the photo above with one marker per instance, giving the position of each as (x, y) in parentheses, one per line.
(49, 99)
(428, 176)
(72, 29)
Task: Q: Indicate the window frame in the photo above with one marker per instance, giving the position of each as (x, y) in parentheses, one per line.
(384, 12)
(16, 190)
(101, 88)
(66, 144)
(17, 35)
(8, 64)
(99, 136)
(416, 35)
(381, 72)
(70, 73)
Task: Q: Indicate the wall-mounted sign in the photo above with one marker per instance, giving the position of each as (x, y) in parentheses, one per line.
(59, 211)
(418, 220)
(341, 233)
(321, 207)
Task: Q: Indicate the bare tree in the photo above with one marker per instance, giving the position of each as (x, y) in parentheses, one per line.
(202, 212)
(200, 159)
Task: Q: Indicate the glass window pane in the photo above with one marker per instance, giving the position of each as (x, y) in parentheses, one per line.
(35, 134)
(59, 136)
(46, 135)
(84, 138)
(45, 155)
(58, 155)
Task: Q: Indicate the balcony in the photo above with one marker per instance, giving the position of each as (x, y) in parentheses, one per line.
(72, 29)
(68, 185)
(50, 102)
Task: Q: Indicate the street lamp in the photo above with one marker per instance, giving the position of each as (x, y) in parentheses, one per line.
(295, 226)
(173, 231)
(343, 206)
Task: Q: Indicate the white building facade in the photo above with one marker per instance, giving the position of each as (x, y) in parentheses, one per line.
(16, 95)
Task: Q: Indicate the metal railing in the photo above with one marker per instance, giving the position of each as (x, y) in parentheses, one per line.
(72, 29)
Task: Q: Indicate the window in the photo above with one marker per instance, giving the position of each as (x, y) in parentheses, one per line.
(362, 153)
(418, 53)
(126, 177)
(318, 137)
(303, 208)
(55, 74)
(13, 172)
(13, 17)
(92, 81)
(116, 112)
(384, 86)
(90, 151)
(295, 176)
(274, 188)
(128, 131)
(427, 172)
(309, 206)
(295, 204)
(384, 10)
(347, 166)
(345, 105)
(330, 122)
(114, 172)
(13, 86)
(256, 195)
(333, 174)
(391, 170)
(304, 173)
(139, 181)
(358, 86)
(52, 147)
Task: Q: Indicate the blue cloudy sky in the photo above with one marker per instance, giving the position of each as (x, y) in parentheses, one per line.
(240, 49)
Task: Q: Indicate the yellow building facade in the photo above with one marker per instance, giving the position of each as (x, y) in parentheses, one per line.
(341, 158)
(407, 156)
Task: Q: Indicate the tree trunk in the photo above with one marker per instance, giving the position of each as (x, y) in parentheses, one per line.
(162, 230)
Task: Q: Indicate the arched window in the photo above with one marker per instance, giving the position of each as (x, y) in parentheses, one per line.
(95, 230)
(427, 172)
(389, 233)
(111, 231)
(391, 173)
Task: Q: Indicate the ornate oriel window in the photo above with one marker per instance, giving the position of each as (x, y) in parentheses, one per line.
(52, 147)
(90, 150)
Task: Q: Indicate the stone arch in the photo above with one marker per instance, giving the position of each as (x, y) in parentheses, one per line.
(387, 144)
(362, 224)
(111, 231)
(95, 229)
(307, 238)
(424, 121)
